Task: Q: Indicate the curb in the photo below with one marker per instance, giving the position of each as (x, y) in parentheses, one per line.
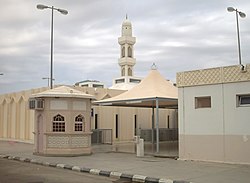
(129, 177)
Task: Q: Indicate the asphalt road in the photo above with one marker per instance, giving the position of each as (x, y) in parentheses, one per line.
(21, 172)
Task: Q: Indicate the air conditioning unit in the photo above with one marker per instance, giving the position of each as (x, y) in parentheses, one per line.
(36, 104)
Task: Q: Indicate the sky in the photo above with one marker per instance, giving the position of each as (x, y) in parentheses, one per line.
(176, 35)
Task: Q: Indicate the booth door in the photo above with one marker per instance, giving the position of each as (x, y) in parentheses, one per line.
(40, 134)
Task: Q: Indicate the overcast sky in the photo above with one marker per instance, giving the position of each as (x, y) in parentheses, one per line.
(178, 35)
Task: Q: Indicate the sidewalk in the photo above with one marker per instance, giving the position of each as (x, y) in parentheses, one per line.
(148, 166)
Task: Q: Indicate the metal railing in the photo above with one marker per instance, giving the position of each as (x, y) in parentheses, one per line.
(165, 134)
(101, 136)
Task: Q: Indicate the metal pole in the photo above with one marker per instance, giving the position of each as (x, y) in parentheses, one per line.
(157, 125)
(64, 12)
(51, 47)
(238, 35)
(153, 128)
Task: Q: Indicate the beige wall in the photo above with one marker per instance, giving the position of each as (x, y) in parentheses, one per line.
(17, 121)
(69, 114)
(222, 132)
(126, 116)
(70, 142)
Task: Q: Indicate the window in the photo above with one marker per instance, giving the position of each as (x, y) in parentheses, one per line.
(79, 123)
(123, 71)
(243, 100)
(129, 51)
(96, 121)
(123, 51)
(97, 86)
(116, 126)
(58, 123)
(135, 117)
(202, 102)
(129, 72)
(134, 80)
(168, 121)
(119, 81)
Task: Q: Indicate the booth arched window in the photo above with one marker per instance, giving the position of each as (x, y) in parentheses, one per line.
(79, 123)
(58, 123)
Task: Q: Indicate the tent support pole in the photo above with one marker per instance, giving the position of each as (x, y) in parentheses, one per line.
(157, 125)
(153, 128)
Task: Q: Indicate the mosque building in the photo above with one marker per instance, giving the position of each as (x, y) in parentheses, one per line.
(17, 122)
(211, 123)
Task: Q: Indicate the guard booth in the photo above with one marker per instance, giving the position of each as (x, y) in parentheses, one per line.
(62, 122)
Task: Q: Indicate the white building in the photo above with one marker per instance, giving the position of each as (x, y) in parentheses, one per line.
(90, 83)
(214, 109)
(127, 80)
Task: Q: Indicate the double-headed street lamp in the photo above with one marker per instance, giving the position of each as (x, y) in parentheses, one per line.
(64, 12)
(242, 15)
(1, 74)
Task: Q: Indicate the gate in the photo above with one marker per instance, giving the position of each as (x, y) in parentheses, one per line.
(101, 136)
(165, 134)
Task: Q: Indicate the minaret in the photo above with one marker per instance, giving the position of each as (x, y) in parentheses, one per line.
(127, 80)
(127, 60)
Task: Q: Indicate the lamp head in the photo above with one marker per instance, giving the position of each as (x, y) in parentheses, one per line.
(230, 9)
(41, 6)
(242, 15)
(62, 11)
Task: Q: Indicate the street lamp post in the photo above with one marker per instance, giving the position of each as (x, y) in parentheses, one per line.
(64, 12)
(242, 15)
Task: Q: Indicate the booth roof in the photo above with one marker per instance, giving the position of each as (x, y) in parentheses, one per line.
(63, 91)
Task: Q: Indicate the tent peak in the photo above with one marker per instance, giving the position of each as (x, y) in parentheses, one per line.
(154, 66)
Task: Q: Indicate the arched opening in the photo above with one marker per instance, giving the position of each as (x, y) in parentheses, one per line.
(129, 51)
(129, 72)
(123, 71)
(5, 119)
(58, 123)
(12, 123)
(79, 123)
(123, 51)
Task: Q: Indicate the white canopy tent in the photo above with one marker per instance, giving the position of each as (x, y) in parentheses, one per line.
(153, 91)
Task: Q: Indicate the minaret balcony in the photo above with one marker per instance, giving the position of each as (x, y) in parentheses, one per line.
(127, 61)
(126, 39)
